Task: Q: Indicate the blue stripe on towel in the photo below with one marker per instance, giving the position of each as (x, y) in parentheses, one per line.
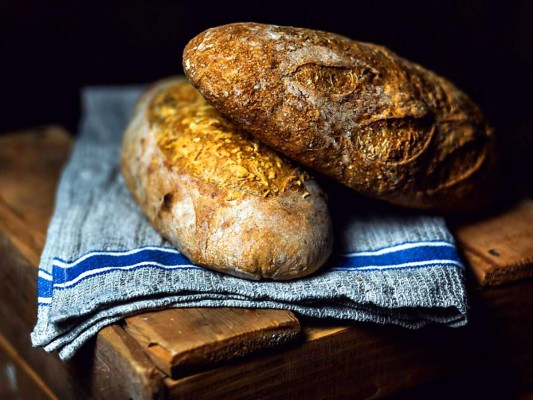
(406, 255)
(70, 273)
(44, 291)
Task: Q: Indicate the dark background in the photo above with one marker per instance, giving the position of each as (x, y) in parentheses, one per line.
(49, 50)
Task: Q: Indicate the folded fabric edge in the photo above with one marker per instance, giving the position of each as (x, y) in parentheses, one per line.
(71, 341)
(68, 273)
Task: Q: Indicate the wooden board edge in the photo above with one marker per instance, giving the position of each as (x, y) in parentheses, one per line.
(26, 240)
(261, 342)
(489, 274)
(113, 346)
(489, 269)
(118, 351)
(276, 328)
(16, 359)
(356, 362)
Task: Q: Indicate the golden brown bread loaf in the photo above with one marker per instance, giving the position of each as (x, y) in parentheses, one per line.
(223, 199)
(355, 111)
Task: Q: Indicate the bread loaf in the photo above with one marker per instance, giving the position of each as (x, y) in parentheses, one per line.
(357, 112)
(225, 200)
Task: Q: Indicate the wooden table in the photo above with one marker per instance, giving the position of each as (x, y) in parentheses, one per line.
(242, 353)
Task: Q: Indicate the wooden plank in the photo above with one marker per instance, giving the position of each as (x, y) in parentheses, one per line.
(122, 369)
(17, 379)
(27, 162)
(21, 240)
(499, 246)
(508, 312)
(360, 362)
(227, 334)
(183, 341)
(18, 311)
(113, 366)
(20, 246)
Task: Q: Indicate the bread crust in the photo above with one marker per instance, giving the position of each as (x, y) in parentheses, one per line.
(227, 227)
(357, 112)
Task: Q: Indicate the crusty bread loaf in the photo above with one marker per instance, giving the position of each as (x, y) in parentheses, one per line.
(223, 199)
(355, 111)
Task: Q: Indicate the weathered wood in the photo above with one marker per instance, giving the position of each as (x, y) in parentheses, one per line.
(21, 240)
(498, 246)
(17, 311)
(233, 333)
(30, 163)
(365, 361)
(182, 341)
(361, 362)
(122, 369)
(17, 379)
(314, 330)
(508, 312)
(346, 361)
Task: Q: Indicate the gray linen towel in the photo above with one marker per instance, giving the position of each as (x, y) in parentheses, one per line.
(102, 260)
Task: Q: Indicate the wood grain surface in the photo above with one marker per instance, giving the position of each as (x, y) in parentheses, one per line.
(362, 362)
(508, 312)
(141, 358)
(30, 164)
(182, 341)
(498, 245)
(27, 191)
(18, 381)
(37, 157)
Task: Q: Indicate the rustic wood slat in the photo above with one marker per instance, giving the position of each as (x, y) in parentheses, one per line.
(17, 379)
(366, 361)
(182, 341)
(360, 362)
(29, 166)
(18, 311)
(122, 369)
(315, 331)
(227, 333)
(21, 240)
(499, 247)
(509, 311)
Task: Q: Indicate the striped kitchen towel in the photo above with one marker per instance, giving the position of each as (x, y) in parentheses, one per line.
(102, 259)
